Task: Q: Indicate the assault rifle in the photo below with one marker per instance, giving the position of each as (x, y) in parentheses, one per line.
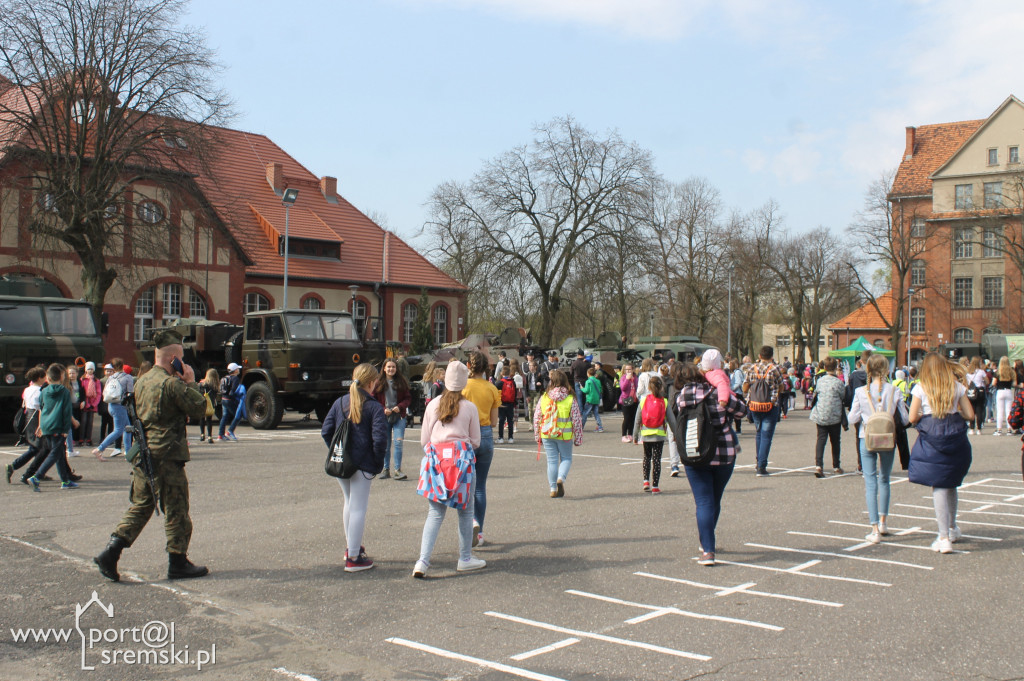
(143, 457)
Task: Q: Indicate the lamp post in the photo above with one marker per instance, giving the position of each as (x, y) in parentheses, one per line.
(910, 319)
(352, 308)
(728, 333)
(847, 334)
(287, 199)
(652, 325)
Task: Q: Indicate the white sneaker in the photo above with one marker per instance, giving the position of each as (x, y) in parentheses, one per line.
(501, 441)
(74, 453)
(420, 571)
(883, 529)
(511, 441)
(874, 537)
(942, 545)
(471, 564)
(954, 535)
(997, 433)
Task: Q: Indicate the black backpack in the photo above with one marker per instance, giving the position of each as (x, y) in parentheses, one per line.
(694, 432)
(339, 462)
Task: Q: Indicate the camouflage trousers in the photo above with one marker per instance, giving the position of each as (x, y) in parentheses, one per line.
(173, 487)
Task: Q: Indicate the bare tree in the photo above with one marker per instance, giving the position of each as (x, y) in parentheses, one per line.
(538, 208)
(827, 288)
(881, 238)
(99, 95)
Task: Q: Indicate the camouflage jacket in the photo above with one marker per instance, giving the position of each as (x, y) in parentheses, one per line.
(163, 402)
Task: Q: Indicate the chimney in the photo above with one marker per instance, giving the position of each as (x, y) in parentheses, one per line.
(909, 153)
(275, 176)
(329, 188)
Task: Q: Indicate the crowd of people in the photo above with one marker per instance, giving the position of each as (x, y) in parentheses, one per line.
(693, 409)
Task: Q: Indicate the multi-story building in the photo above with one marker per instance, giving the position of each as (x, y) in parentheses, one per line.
(958, 191)
(218, 251)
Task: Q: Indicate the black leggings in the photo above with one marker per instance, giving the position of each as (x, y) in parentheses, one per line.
(827, 433)
(652, 453)
(979, 411)
(628, 416)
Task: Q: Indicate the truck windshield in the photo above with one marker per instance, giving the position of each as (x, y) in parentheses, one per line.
(339, 327)
(70, 320)
(305, 327)
(21, 320)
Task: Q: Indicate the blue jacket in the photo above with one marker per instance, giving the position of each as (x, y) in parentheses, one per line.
(941, 455)
(369, 436)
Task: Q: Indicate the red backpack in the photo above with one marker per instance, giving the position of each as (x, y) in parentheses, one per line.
(508, 389)
(652, 415)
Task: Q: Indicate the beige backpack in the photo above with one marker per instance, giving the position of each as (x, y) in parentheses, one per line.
(880, 426)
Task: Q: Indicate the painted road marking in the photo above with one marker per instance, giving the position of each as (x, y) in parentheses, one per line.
(959, 521)
(742, 588)
(860, 543)
(788, 549)
(799, 570)
(599, 637)
(487, 664)
(545, 649)
(295, 675)
(918, 529)
(658, 611)
(928, 508)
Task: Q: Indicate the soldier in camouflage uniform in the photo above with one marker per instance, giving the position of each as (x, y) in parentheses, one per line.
(163, 400)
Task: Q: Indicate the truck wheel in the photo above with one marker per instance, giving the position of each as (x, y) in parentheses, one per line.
(263, 407)
(321, 411)
(608, 396)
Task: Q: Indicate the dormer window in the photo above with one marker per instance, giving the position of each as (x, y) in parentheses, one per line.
(83, 111)
(310, 248)
(176, 141)
(150, 212)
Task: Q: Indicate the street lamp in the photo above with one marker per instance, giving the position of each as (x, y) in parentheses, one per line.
(847, 334)
(287, 199)
(728, 333)
(652, 325)
(352, 308)
(910, 319)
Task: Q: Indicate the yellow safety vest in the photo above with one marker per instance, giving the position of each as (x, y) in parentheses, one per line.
(564, 411)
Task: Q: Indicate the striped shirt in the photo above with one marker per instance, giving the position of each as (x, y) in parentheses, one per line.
(721, 418)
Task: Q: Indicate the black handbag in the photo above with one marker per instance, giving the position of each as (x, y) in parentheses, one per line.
(339, 462)
(972, 392)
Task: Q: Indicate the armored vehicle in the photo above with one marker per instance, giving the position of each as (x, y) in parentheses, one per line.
(300, 360)
(42, 331)
(683, 348)
(608, 349)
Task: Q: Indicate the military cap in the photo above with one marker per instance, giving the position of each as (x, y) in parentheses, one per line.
(166, 337)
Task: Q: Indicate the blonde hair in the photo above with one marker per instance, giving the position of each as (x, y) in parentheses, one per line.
(363, 377)
(1006, 372)
(646, 365)
(878, 368)
(974, 365)
(212, 378)
(448, 406)
(939, 377)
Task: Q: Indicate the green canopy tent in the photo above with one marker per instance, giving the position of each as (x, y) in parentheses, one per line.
(850, 353)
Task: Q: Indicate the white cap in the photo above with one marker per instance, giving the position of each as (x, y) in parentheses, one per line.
(234, 367)
(108, 366)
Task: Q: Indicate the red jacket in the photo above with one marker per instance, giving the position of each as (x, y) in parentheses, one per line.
(404, 398)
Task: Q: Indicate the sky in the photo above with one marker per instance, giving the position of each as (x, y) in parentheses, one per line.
(801, 101)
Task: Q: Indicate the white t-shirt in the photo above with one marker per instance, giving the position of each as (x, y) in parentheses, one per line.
(979, 378)
(926, 408)
(31, 396)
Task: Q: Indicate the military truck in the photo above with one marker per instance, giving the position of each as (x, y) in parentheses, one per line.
(299, 360)
(608, 349)
(41, 330)
(682, 348)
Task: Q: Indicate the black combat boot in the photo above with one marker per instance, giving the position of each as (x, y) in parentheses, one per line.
(107, 561)
(180, 567)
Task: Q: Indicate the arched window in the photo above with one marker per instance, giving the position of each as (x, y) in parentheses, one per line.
(150, 212)
(963, 336)
(440, 325)
(144, 309)
(409, 313)
(196, 305)
(172, 301)
(256, 302)
(917, 320)
(879, 343)
(311, 303)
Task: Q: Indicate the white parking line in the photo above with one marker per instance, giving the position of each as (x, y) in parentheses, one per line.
(742, 588)
(788, 549)
(928, 508)
(487, 664)
(911, 530)
(295, 675)
(860, 543)
(799, 571)
(600, 637)
(544, 649)
(658, 611)
(960, 521)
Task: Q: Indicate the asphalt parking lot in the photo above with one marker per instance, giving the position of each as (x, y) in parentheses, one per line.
(601, 584)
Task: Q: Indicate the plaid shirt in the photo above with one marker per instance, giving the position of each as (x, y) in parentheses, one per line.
(769, 371)
(721, 418)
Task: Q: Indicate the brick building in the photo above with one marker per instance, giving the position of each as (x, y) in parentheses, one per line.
(958, 190)
(220, 250)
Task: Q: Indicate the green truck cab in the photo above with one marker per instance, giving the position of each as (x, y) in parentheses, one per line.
(42, 330)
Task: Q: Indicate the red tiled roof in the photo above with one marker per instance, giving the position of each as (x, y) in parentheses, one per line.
(239, 191)
(933, 146)
(866, 316)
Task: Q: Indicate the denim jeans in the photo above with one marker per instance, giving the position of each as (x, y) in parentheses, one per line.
(589, 409)
(559, 453)
(435, 516)
(484, 456)
(708, 486)
(56, 445)
(120, 416)
(239, 415)
(396, 435)
(227, 414)
(877, 467)
(764, 430)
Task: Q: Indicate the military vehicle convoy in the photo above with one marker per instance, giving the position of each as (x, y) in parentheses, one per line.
(299, 360)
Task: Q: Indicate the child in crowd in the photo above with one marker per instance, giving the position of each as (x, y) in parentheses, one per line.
(55, 422)
(711, 367)
(592, 398)
(649, 428)
(210, 387)
(36, 377)
(507, 410)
